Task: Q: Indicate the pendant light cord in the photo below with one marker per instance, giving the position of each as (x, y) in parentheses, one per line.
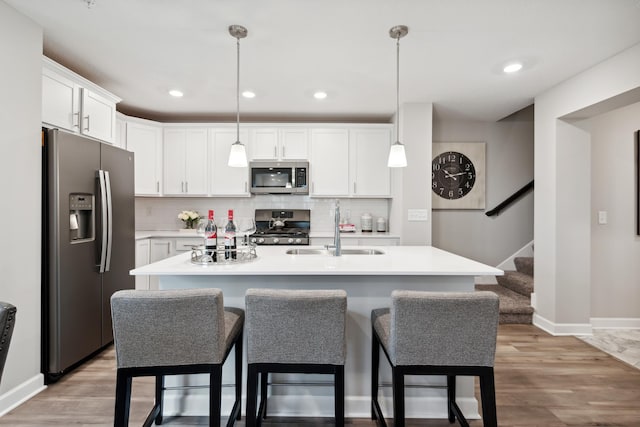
(238, 91)
(398, 88)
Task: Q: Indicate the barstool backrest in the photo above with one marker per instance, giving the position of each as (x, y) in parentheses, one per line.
(296, 326)
(443, 328)
(165, 328)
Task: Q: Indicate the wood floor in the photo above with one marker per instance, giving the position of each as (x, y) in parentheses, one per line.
(541, 380)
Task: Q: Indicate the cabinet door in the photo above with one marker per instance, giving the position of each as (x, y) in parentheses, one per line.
(121, 134)
(60, 103)
(159, 250)
(145, 141)
(196, 167)
(98, 117)
(369, 153)
(329, 162)
(173, 151)
(294, 144)
(225, 180)
(264, 143)
(142, 258)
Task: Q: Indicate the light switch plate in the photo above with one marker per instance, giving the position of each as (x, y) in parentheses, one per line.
(417, 215)
(602, 217)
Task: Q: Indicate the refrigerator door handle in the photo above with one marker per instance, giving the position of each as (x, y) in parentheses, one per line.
(104, 214)
(107, 266)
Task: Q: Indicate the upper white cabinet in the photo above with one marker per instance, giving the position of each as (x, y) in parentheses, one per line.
(225, 180)
(121, 131)
(279, 143)
(71, 102)
(146, 141)
(185, 161)
(369, 152)
(329, 162)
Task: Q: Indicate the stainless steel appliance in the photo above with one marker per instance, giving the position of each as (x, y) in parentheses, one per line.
(88, 247)
(282, 227)
(286, 177)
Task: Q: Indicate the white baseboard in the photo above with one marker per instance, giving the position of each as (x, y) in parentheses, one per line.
(20, 394)
(525, 251)
(615, 323)
(322, 406)
(558, 329)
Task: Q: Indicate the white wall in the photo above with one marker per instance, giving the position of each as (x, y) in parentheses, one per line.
(509, 166)
(615, 247)
(563, 302)
(20, 118)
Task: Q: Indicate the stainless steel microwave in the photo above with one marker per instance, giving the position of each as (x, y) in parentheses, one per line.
(285, 177)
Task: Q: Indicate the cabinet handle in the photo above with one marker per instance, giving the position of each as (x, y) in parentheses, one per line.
(87, 121)
(283, 151)
(186, 186)
(354, 188)
(245, 187)
(157, 186)
(76, 124)
(275, 152)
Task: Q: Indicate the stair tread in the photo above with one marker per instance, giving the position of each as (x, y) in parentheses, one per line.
(517, 282)
(510, 302)
(524, 265)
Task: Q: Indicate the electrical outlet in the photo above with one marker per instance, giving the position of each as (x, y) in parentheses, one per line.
(602, 217)
(417, 215)
(149, 211)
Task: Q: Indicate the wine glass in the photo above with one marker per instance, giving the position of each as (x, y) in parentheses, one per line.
(246, 226)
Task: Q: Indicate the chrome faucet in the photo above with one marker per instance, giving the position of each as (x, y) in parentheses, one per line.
(336, 232)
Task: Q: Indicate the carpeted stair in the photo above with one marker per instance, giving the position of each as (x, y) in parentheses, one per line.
(514, 290)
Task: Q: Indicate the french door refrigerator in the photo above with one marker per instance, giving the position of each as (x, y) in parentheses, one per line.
(88, 233)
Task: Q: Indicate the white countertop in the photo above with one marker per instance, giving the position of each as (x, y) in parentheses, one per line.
(146, 234)
(272, 260)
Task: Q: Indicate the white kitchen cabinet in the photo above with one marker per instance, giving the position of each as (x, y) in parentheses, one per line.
(159, 249)
(185, 161)
(186, 244)
(142, 258)
(121, 131)
(71, 102)
(225, 180)
(369, 152)
(329, 163)
(347, 239)
(145, 140)
(279, 143)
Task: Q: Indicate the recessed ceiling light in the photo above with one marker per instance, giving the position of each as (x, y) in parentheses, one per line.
(320, 95)
(512, 67)
(176, 93)
(248, 94)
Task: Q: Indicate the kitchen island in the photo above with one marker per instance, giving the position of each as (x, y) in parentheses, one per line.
(368, 280)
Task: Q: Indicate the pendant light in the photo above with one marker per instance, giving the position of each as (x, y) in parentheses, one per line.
(397, 156)
(238, 153)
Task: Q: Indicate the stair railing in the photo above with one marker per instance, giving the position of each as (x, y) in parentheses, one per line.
(510, 200)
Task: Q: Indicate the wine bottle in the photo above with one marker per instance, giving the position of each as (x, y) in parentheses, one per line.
(230, 238)
(211, 237)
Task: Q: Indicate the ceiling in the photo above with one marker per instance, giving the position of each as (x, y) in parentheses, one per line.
(452, 57)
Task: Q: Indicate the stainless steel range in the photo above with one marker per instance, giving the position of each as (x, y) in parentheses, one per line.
(282, 227)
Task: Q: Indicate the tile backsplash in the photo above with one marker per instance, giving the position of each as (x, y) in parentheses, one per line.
(161, 213)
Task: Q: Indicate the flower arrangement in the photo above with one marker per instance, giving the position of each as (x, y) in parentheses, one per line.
(190, 218)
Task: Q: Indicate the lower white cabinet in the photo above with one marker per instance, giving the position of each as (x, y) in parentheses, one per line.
(142, 258)
(159, 250)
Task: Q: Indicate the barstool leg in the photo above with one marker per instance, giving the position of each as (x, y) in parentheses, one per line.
(123, 399)
(159, 397)
(238, 363)
(375, 364)
(451, 397)
(215, 396)
(264, 385)
(252, 395)
(398, 397)
(339, 395)
(488, 396)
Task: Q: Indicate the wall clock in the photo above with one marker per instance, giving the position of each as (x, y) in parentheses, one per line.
(458, 175)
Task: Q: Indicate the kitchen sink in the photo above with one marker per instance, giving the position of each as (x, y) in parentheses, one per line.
(310, 251)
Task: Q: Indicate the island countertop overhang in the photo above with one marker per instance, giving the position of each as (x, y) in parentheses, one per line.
(273, 260)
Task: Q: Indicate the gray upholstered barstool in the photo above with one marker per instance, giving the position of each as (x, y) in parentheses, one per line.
(436, 333)
(189, 331)
(294, 331)
(7, 321)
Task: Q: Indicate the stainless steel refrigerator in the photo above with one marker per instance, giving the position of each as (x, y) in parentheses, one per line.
(88, 245)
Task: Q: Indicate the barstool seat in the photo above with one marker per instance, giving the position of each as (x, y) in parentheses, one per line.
(294, 331)
(436, 333)
(158, 333)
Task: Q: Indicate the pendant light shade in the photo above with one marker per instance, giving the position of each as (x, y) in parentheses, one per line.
(397, 156)
(238, 152)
